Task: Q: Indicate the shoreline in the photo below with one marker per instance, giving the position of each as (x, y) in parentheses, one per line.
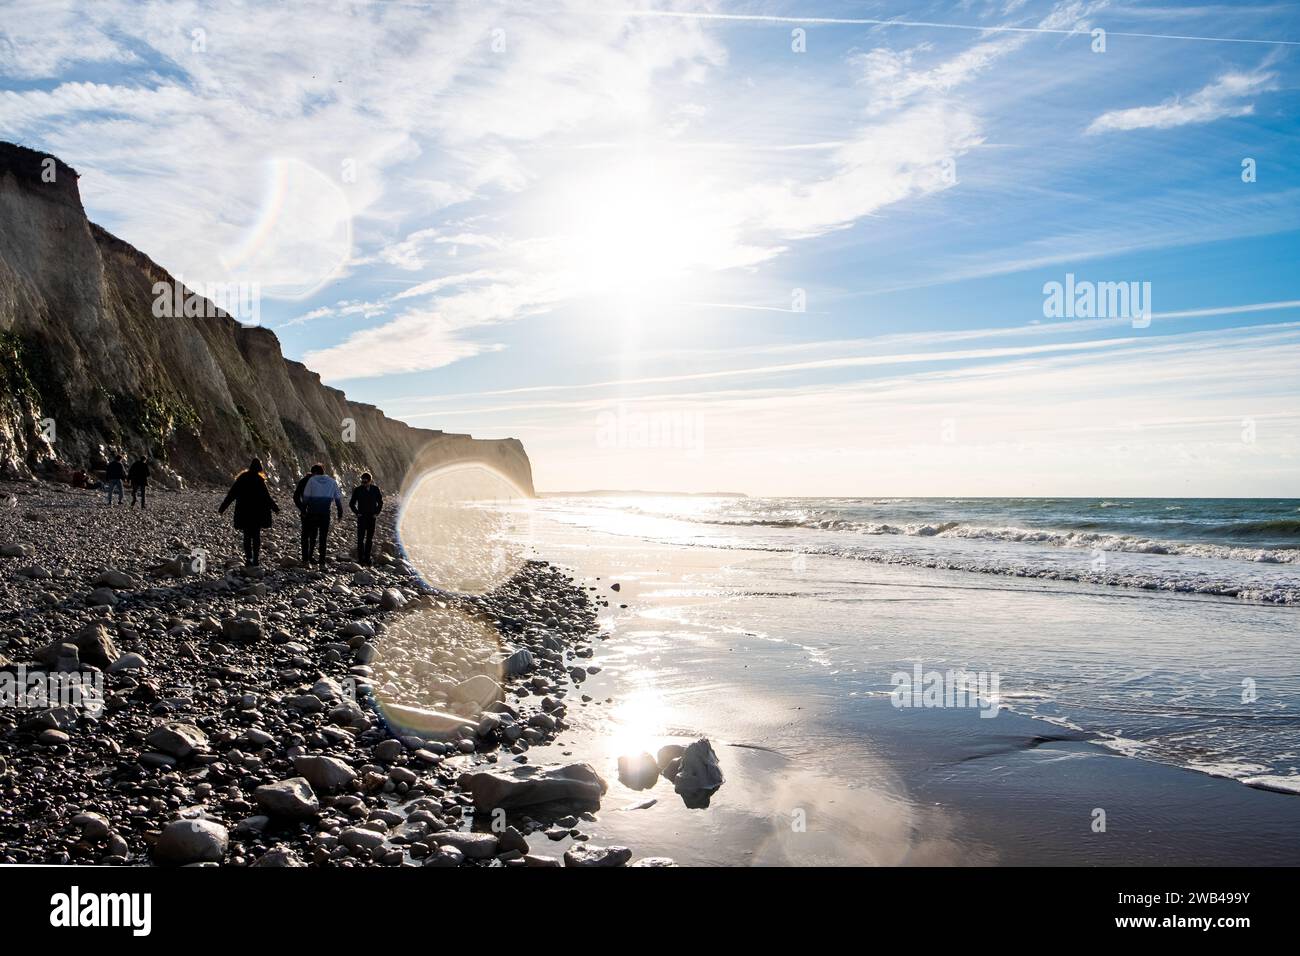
(876, 784)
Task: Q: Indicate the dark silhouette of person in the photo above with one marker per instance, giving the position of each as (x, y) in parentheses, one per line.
(253, 507)
(367, 501)
(138, 476)
(80, 479)
(315, 494)
(113, 477)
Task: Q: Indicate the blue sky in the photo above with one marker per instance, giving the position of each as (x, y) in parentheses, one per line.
(695, 248)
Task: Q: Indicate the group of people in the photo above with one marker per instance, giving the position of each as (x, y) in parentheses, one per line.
(315, 496)
(116, 473)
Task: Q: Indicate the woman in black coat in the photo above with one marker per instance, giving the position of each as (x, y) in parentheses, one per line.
(253, 507)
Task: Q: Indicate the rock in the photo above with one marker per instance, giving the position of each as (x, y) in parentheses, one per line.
(638, 772)
(52, 737)
(292, 798)
(112, 578)
(480, 690)
(13, 551)
(387, 750)
(512, 839)
(576, 782)
(95, 646)
(587, 855)
(361, 838)
(475, 846)
(657, 861)
(279, 856)
(35, 572)
(176, 739)
(252, 826)
(241, 630)
(55, 718)
(128, 662)
(445, 856)
(358, 629)
(537, 859)
(518, 663)
(101, 597)
(699, 771)
(667, 754)
(327, 689)
(392, 599)
(424, 723)
(191, 841)
(324, 773)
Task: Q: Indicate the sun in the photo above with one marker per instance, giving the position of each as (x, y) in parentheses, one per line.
(625, 229)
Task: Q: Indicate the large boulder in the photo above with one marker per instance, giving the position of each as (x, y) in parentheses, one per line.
(191, 841)
(699, 771)
(638, 771)
(525, 786)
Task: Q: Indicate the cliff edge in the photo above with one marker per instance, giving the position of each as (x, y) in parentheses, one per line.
(87, 368)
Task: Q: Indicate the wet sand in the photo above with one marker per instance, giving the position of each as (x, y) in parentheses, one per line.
(818, 774)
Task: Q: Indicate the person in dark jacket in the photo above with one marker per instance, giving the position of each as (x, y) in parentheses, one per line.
(367, 501)
(315, 494)
(253, 506)
(113, 476)
(138, 476)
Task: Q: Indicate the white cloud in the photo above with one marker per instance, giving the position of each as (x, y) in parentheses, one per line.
(1217, 100)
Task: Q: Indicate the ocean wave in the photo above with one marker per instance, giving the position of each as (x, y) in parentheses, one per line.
(1286, 593)
(1083, 539)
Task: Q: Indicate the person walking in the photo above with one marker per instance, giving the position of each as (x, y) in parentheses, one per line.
(314, 496)
(253, 507)
(138, 476)
(113, 477)
(367, 502)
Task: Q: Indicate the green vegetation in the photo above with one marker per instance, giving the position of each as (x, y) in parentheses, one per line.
(156, 417)
(259, 440)
(24, 370)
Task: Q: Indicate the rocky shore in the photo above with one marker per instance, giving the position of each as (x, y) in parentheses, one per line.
(278, 715)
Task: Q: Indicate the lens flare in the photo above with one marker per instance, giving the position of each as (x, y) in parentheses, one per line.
(465, 527)
(434, 670)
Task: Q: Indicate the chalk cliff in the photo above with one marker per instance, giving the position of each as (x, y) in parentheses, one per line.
(87, 368)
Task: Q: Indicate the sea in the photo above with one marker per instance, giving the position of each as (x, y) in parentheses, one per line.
(1164, 628)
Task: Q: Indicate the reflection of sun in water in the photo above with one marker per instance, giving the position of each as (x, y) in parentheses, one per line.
(640, 723)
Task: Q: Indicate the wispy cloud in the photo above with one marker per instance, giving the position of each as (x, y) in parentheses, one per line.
(1224, 97)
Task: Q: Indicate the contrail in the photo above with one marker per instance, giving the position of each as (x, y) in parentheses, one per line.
(866, 21)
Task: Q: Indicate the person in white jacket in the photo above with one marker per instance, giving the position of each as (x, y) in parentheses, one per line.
(316, 493)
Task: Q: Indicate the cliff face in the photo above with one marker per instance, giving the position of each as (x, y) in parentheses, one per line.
(87, 368)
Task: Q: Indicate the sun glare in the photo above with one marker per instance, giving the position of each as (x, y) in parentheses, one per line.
(624, 231)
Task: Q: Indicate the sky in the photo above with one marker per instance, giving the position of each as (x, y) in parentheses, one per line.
(789, 248)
